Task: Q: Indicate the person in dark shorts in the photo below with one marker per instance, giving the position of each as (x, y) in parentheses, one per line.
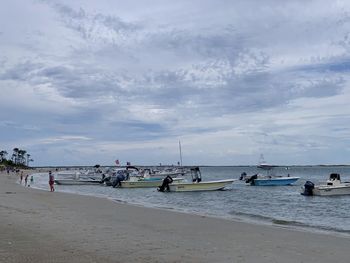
(51, 181)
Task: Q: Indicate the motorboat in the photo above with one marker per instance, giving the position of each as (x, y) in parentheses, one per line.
(77, 178)
(133, 177)
(333, 186)
(169, 185)
(270, 178)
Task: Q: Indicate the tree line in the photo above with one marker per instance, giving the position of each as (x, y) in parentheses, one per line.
(19, 157)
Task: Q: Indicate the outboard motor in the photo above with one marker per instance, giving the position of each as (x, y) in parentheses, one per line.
(251, 179)
(106, 180)
(165, 185)
(118, 179)
(243, 176)
(308, 188)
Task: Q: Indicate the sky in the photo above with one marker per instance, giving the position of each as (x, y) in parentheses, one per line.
(87, 82)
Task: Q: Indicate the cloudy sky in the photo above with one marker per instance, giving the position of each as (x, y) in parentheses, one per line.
(85, 82)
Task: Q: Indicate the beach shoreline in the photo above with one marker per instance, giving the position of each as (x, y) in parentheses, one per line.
(40, 226)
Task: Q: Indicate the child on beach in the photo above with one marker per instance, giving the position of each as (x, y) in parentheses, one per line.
(51, 181)
(21, 178)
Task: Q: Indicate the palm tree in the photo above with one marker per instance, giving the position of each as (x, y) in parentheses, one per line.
(21, 156)
(27, 155)
(15, 155)
(29, 159)
(3, 155)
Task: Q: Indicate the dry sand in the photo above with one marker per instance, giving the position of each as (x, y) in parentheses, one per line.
(40, 226)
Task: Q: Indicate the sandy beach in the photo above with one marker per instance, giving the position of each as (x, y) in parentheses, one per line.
(41, 226)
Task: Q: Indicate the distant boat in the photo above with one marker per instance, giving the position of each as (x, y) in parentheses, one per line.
(196, 185)
(333, 187)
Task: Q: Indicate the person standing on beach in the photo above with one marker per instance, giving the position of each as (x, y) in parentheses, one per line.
(26, 180)
(51, 181)
(21, 178)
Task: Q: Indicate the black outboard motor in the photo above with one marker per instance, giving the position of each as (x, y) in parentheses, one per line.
(118, 179)
(243, 176)
(251, 179)
(165, 185)
(103, 179)
(308, 188)
(106, 180)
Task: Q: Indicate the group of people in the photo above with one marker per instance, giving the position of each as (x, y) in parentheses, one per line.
(25, 179)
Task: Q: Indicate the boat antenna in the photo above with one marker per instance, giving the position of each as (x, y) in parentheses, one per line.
(180, 153)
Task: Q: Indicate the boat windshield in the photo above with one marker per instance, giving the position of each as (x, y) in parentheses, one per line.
(334, 176)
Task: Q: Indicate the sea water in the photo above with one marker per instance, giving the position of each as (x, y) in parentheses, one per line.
(279, 205)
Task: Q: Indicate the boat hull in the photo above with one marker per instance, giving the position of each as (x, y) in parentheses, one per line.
(144, 183)
(279, 181)
(76, 182)
(202, 186)
(331, 190)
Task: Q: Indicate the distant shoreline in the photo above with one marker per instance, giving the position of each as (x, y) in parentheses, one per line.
(90, 166)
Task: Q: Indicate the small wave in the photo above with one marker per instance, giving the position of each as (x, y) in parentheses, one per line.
(118, 201)
(289, 223)
(251, 216)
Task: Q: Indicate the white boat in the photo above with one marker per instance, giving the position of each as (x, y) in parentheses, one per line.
(132, 177)
(77, 178)
(201, 186)
(169, 185)
(333, 186)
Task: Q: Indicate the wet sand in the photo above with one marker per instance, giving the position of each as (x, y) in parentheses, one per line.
(41, 226)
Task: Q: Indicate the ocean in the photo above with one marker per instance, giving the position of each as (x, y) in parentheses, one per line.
(282, 206)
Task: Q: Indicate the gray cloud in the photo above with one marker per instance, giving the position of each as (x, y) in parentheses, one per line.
(93, 27)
